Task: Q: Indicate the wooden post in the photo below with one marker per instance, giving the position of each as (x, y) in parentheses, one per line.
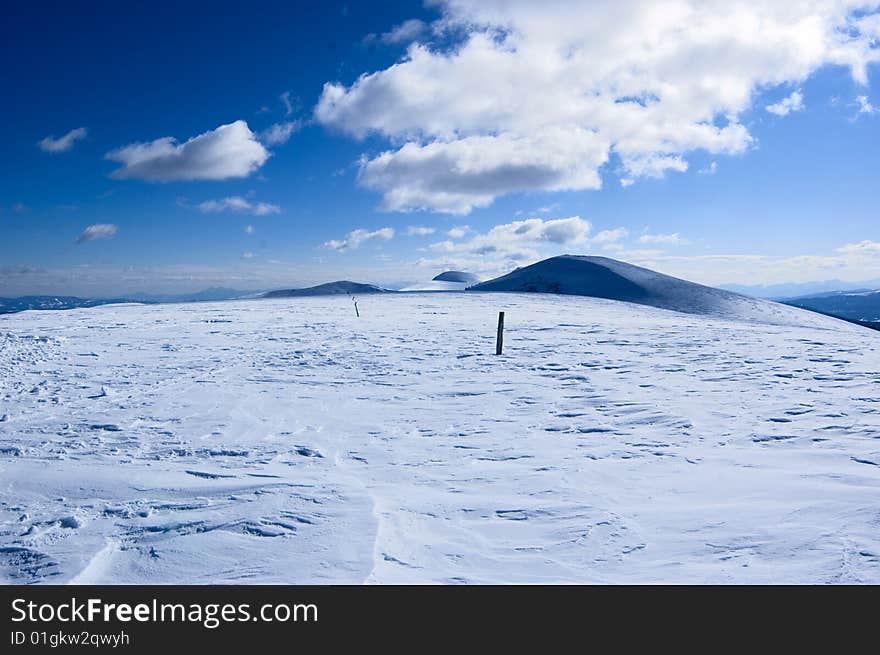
(356, 309)
(499, 343)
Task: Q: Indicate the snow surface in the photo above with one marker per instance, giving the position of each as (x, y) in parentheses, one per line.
(287, 441)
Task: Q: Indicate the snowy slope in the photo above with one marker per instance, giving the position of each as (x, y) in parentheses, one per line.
(289, 441)
(602, 277)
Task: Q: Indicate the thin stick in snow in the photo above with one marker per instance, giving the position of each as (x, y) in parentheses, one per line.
(499, 342)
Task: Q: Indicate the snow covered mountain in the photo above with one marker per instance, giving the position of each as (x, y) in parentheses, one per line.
(602, 277)
(289, 441)
(457, 276)
(446, 281)
(328, 289)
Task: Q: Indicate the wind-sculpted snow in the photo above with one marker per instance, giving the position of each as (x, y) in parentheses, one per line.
(290, 441)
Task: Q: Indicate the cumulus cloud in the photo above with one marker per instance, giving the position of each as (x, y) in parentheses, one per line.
(608, 238)
(419, 231)
(240, 205)
(290, 105)
(847, 264)
(249, 229)
(97, 231)
(865, 106)
(279, 133)
(355, 238)
(711, 169)
(457, 176)
(458, 232)
(538, 96)
(407, 31)
(789, 104)
(64, 143)
(226, 152)
(510, 244)
(863, 248)
(663, 239)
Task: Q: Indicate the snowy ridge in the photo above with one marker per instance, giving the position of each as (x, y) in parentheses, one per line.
(602, 277)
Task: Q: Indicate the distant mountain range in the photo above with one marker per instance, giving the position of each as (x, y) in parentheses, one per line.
(799, 289)
(23, 303)
(862, 306)
(207, 295)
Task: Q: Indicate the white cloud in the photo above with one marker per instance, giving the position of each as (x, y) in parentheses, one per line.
(606, 237)
(419, 231)
(510, 244)
(458, 232)
(663, 239)
(356, 237)
(238, 204)
(711, 169)
(864, 105)
(457, 176)
(407, 31)
(279, 133)
(761, 269)
(789, 104)
(863, 248)
(247, 255)
(98, 231)
(229, 151)
(537, 96)
(288, 104)
(64, 143)
(249, 229)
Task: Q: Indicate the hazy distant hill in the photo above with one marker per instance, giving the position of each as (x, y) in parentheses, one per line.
(457, 276)
(780, 292)
(23, 303)
(863, 306)
(446, 281)
(207, 295)
(328, 289)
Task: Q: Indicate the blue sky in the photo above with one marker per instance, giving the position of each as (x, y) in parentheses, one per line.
(725, 144)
